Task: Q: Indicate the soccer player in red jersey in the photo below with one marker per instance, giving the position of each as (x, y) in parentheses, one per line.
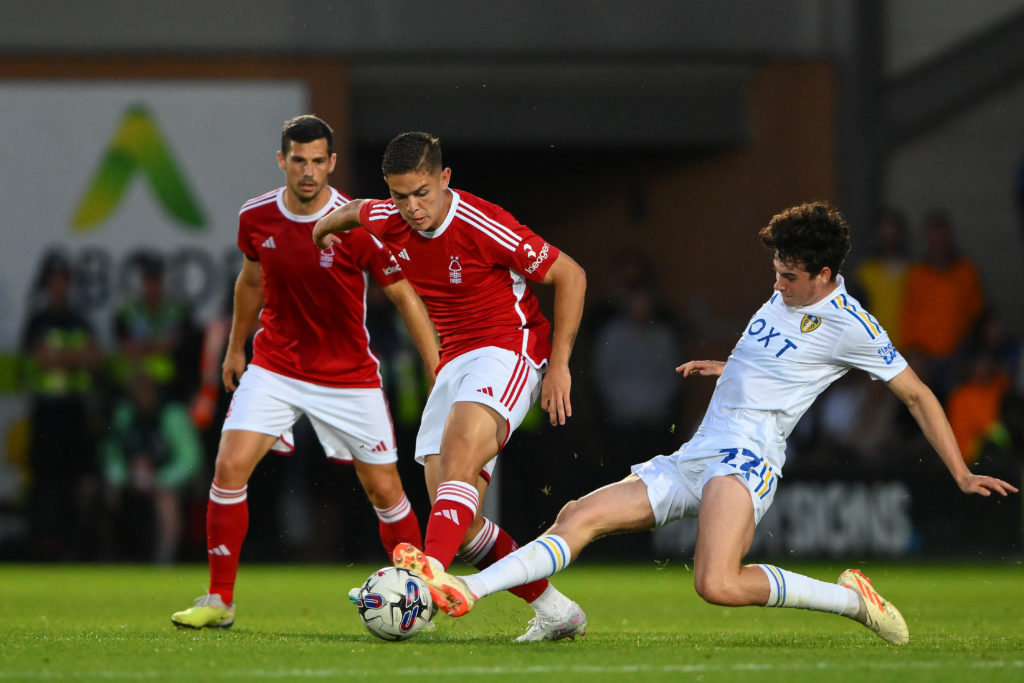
(471, 261)
(311, 355)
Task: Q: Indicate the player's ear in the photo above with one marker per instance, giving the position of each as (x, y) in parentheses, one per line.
(446, 175)
(280, 160)
(334, 160)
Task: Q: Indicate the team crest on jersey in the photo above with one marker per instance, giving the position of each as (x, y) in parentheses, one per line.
(455, 271)
(327, 257)
(810, 323)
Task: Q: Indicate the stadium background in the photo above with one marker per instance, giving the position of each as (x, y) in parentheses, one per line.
(668, 129)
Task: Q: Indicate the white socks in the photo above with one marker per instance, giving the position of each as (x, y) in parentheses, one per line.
(788, 589)
(536, 560)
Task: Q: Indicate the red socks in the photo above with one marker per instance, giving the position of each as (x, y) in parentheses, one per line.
(453, 512)
(399, 524)
(227, 521)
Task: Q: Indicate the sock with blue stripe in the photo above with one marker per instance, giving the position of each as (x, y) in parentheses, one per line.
(788, 589)
(536, 560)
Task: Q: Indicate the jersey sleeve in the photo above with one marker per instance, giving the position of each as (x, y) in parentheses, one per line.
(866, 346)
(379, 216)
(531, 255)
(245, 238)
(377, 259)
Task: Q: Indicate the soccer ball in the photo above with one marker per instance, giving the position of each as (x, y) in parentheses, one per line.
(394, 604)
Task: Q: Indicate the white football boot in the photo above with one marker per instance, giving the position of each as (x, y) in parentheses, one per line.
(880, 615)
(573, 623)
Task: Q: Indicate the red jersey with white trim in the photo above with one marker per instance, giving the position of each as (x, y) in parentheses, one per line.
(471, 272)
(314, 316)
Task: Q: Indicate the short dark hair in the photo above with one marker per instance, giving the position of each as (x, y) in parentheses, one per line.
(412, 152)
(306, 128)
(812, 235)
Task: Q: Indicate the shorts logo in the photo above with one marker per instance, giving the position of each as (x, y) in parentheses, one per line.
(455, 271)
(810, 323)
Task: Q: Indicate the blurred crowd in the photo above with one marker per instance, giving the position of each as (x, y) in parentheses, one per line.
(122, 436)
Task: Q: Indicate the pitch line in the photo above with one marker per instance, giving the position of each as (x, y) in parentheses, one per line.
(518, 671)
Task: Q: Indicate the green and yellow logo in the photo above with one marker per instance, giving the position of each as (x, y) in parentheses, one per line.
(137, 147)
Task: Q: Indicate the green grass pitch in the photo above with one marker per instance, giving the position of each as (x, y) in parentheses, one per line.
(112, 623)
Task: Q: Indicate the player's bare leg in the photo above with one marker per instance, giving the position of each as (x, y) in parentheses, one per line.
(619, 508)
(725, 531)
(227, 521)
(397, 522)
(472, 436)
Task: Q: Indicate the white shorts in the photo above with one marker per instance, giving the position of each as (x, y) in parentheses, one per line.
(500, 379)
(675, 483)
(350, 423)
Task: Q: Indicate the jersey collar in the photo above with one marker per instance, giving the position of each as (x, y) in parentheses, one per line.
(312, 218)
(436, 232)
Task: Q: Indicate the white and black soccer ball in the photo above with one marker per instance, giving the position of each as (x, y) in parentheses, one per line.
(394, 604)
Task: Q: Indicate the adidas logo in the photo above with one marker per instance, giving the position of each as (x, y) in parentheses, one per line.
(269, 244)
(380, 448)
(403, 254)
(486, 390)
(221, 551)
(448, 514)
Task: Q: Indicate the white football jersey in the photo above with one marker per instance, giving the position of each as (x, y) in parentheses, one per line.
(785, 358)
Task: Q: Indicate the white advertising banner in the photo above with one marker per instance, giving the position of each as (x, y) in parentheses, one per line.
(105, 170)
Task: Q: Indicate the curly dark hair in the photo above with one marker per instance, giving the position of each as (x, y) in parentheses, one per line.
(412, 152)
(812, 235)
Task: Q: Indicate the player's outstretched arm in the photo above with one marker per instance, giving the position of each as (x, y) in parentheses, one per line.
(928, 413)
(712, 368)
(341, 219)
(570, 283)
(414, 315)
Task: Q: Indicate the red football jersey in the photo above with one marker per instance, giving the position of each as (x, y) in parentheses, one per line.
(314, 317)
(471, 273)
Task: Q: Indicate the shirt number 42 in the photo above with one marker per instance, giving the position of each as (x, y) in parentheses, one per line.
(751, 467)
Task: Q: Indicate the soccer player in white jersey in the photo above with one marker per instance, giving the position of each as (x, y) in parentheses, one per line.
(807, 335)
(311, 356)
(471, 261)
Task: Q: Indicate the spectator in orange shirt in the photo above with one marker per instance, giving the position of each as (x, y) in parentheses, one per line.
(943, 300)
(975, 406)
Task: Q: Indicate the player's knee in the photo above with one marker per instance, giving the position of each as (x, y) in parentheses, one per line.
(717, 589)
(577, 517)
(383, 489)
(231, 470)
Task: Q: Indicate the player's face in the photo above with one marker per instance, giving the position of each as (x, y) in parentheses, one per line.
(306, 167)
(422, 198)
(798, 287)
